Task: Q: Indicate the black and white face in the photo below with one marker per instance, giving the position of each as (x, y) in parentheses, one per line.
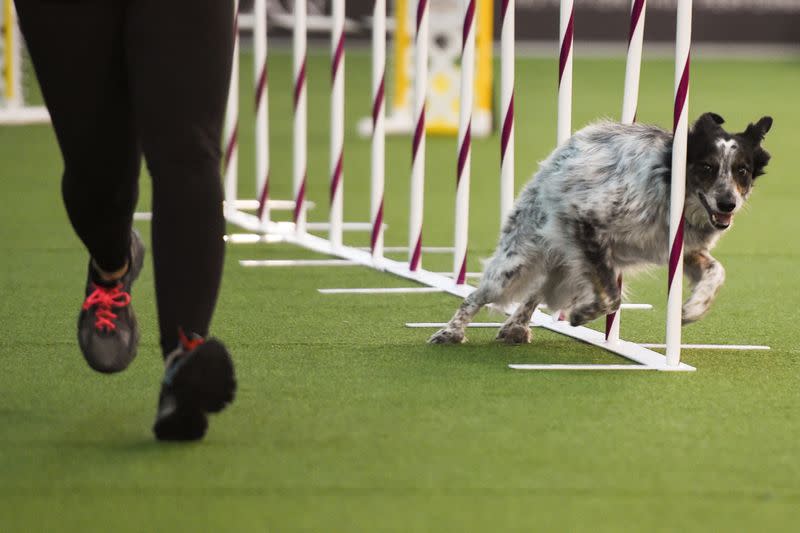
(722, 168)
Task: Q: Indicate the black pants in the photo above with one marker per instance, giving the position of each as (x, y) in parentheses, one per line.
(126, 78)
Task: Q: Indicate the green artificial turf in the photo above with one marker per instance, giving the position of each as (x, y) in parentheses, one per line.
(347, 421)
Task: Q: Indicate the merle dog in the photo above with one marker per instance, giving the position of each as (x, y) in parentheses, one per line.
(599, 206)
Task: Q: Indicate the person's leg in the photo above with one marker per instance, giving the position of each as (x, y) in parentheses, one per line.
(77, 50)
(179, 58)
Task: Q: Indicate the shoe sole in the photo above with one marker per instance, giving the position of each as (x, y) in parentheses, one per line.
(205, 383)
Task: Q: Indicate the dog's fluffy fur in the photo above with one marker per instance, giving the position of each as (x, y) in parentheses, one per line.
(599, 206)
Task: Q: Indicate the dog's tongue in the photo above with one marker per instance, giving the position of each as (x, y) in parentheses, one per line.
(723, 219)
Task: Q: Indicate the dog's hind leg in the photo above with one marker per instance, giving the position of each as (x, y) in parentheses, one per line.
(499, 279)
(516, 329)
(707, 276)
(598, 292)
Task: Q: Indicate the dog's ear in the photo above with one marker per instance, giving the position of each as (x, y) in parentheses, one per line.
(702, 132)
(707, 123)
(756, 132)
(760, 159)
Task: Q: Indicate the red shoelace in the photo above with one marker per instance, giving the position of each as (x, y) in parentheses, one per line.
(188, 343)
(104, 300)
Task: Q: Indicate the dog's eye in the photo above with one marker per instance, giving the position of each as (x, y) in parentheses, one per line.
(706, 168)
(743, 172)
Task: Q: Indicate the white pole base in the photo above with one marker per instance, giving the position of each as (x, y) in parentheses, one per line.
(24, 115)
(743, 347)
(295, 262)
(272, 205)
(579, 367)
(252, 238)
(469, 275)
(346, 226)
(381, 290)
(425, 249)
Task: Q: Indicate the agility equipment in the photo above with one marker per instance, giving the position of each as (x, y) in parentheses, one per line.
(630, 102)
(326, 237)
(444, 66)
(13, 108)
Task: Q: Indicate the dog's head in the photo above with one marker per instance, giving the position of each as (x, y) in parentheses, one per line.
(721, 168)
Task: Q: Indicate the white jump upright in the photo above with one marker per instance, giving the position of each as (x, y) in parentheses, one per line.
(337, 124)
(630, 102)
(566, 32)
(507, 57)
(464, 156)
(300, 147)
(418, 141)
(683, 40)
(231, 126)
(261, 80)
(378, 149)
(13, 108)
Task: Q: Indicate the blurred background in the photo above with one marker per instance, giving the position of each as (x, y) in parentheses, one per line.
(739, 21)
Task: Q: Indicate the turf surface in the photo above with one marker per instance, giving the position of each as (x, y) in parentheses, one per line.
(346, 421)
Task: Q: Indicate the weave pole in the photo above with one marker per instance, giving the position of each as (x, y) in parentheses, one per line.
(566, 31)
(337, 124)
(262, 108)
(564, 128)
(377, 174)
(300, 148)
(630, 102)
(683, 41)
(464, 164)
(507, 56)
(418, 144)
(231, 130)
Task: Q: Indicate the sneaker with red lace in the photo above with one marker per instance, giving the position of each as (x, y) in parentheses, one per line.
(107, 331)
(198, 380)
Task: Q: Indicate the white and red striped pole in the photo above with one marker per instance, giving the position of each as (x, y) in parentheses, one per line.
(231, 129)
(337, 124)
(507, 57)
(418, 142)
(633, 66)
(378, 152)
(683, 42)
(564, 128)
(630, 101)
(300, 148)
(566, 30)
(463, 168)
(262, 107)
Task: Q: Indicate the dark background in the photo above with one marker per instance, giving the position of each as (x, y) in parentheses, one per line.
(736, 21)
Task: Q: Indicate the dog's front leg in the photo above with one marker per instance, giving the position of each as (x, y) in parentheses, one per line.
(706, 275)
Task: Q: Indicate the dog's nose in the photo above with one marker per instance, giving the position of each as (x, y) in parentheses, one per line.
(726, 206)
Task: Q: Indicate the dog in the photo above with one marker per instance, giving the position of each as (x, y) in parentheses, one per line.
(599, 207)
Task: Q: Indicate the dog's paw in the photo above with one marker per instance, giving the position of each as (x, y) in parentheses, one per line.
(579, 319)
(514, 334)
(447, 336)
(692, 312)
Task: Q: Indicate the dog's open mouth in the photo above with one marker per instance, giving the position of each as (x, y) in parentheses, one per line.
(718, 220)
